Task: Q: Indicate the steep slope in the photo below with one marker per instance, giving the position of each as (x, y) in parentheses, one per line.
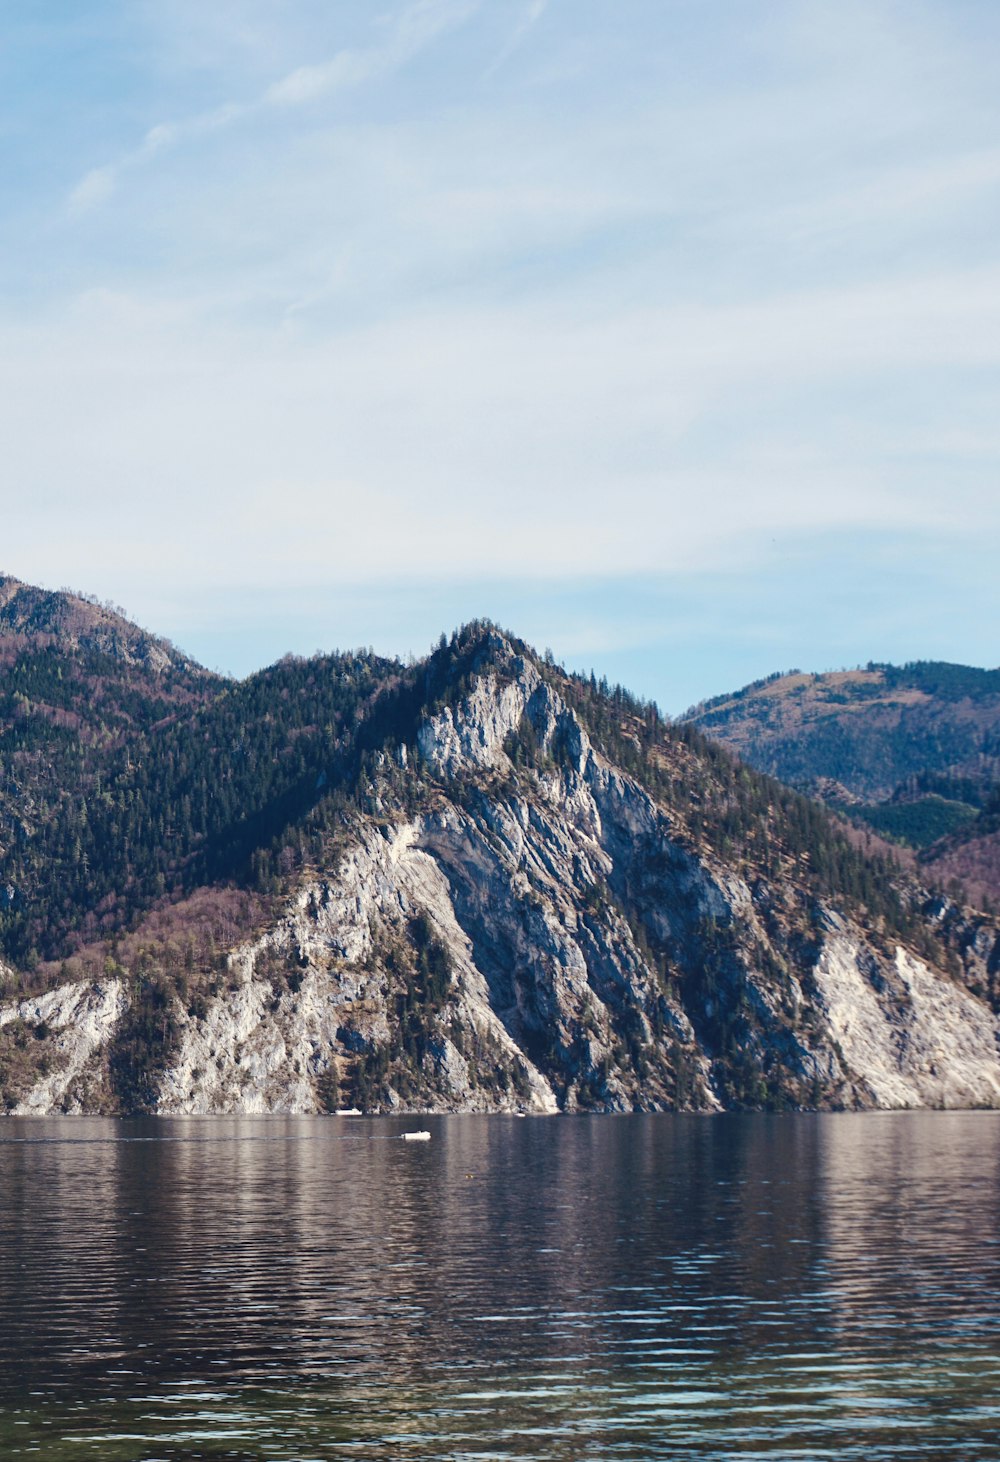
(36, 618)
(911, 751)
(479, 884)
(80, 687)
(194, 797)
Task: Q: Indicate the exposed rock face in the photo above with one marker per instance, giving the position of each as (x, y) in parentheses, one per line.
(314, 995)
(905, 1037)
(538, 937)
(75, 1023)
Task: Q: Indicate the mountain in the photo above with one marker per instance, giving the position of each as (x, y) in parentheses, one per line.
(911, 751)
(77, 624)
(471, 883)
(79, 687)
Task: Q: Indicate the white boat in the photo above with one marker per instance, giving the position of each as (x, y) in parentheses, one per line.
(416, 1137)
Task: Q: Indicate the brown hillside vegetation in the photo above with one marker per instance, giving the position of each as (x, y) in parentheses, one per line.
(913, 751)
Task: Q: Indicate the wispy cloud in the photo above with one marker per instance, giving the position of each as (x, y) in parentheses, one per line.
(406, 33)
(98, 185)
(308, 83)
(94, 188)
(661, 299)
(416, 27)
(532, 15)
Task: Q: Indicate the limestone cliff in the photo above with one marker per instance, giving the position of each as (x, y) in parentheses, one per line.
(510, 921)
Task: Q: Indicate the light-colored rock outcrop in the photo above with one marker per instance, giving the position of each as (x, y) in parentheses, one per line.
(596, 957)
(76, 1022)
(905, 1036)
(264, 1042)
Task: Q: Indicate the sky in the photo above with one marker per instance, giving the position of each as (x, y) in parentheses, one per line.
(665, 334)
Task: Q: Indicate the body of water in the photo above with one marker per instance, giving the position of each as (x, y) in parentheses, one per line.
(783, 1287)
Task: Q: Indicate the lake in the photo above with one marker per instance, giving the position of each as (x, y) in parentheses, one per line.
(788, 1287)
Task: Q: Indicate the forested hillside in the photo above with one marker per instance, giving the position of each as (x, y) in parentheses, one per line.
(473, 882)
(911, 751)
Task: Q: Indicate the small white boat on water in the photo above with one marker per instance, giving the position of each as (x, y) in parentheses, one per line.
(416, 1137)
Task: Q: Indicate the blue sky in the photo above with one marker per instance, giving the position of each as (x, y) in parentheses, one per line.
(665, 333)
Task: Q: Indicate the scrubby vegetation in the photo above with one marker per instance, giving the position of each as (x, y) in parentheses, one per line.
(125, 790)
(919, 823)
(916, 746)
(151, 816)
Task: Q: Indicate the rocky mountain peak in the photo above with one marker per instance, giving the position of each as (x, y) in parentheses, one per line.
(508, 702)
(472, 883)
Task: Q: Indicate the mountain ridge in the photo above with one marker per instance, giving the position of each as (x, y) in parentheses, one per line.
(912, 751)
(470, 883)
(81, 622)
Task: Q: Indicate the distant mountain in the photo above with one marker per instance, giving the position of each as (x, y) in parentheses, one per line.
(79, 686)
(41, 618)
(470, 883)
(867, 730)
(912, 751)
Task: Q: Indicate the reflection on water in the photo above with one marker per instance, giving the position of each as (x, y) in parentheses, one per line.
(639, 1287)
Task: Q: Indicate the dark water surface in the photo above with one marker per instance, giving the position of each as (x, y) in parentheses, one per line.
(792, 1287)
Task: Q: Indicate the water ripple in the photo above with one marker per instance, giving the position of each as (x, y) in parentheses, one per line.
(637, 1288)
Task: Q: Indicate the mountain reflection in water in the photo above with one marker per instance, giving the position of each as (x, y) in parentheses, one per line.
(635, 1287)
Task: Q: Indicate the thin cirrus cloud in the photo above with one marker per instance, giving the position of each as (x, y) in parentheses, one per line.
(415, 27)
(536, 9)
(98, 184)
(370, 439)
(521, 294)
